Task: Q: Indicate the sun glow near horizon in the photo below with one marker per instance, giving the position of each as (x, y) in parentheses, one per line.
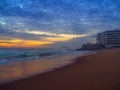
(50, 39)
(20, 43)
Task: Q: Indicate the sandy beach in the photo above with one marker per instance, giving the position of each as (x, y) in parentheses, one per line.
(100, 71)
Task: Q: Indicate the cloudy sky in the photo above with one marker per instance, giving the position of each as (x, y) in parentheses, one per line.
(55, 23)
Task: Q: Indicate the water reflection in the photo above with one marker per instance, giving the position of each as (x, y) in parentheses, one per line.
(25, 69)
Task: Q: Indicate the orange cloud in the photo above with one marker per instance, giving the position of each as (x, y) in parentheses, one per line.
(19, 43)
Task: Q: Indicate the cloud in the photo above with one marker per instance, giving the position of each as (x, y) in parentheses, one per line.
(55, 21)
(21, 39)
(56, 37)
(19, 43)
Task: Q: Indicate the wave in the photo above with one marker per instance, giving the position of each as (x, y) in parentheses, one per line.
(7, 56)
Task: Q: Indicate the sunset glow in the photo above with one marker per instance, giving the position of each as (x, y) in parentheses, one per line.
(52, 38)
(17, 43)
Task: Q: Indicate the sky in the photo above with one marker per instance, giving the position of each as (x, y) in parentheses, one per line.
(55, 23)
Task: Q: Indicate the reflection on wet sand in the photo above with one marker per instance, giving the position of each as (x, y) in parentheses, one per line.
(25, 69)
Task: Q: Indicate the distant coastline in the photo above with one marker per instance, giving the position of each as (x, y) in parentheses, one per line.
(104, 40)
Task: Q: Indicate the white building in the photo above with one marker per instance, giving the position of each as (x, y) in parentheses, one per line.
(109, 38)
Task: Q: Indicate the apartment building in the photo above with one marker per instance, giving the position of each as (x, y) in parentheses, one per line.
(109, 38)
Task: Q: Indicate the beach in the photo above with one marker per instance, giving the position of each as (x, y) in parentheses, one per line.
(100, 71)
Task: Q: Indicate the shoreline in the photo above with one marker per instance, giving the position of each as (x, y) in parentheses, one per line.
(26, 69)
(40, 58)
(99, 71)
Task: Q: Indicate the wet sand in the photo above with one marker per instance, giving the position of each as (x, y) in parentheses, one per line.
(24, 69)
(100, 71)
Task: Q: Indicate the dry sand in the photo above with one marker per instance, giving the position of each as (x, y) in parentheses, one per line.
(100, 71)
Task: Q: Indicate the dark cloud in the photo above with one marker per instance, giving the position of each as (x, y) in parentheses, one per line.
(4, 32)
